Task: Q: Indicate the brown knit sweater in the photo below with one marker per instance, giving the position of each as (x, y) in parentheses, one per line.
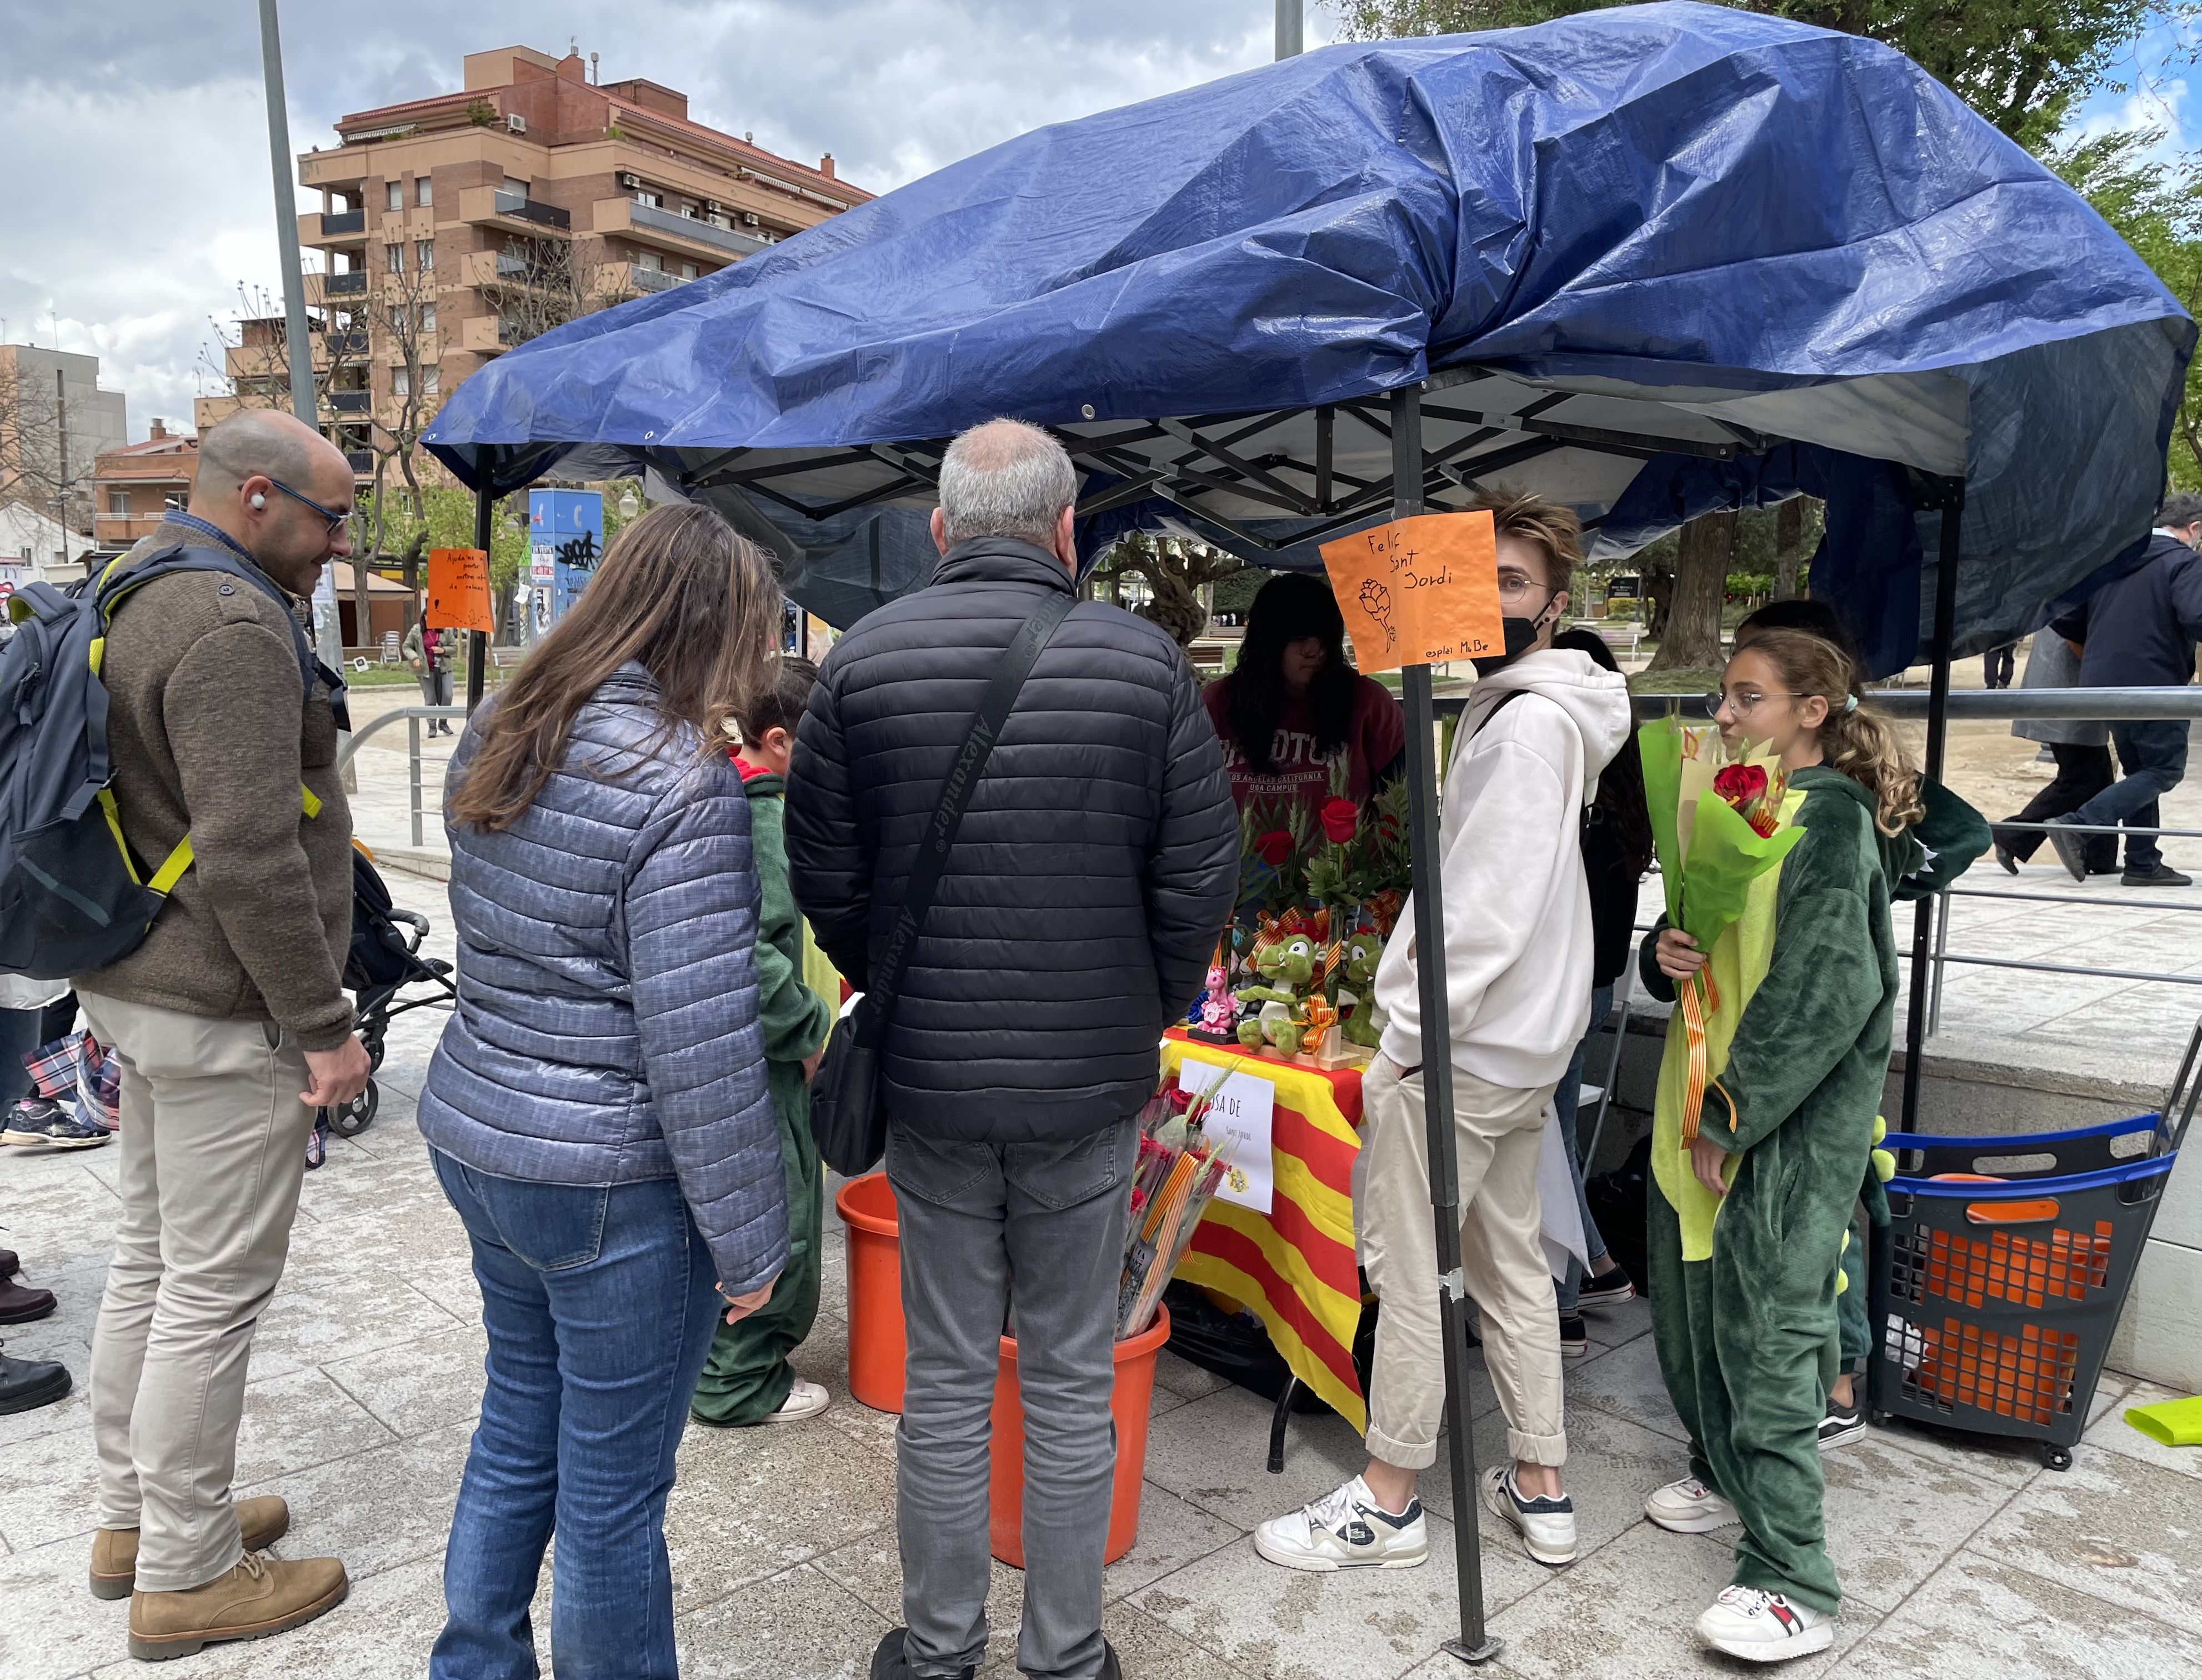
(210, 734)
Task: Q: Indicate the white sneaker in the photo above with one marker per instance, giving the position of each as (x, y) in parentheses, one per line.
(804, 1399)
(1346, 1529)
(1764, 1627)
(1688, 1506)
(1547, 1525)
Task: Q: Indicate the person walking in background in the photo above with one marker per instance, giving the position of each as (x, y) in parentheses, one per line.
(1540, 725)
(424, 652)
(747, 1379)
(230, 1021)
(1996, 668)
(1094, 867)
(1747, 1218)
(1616, 850)
(596, 1110)
(2139, 631)
(2082, 754)
(1294, 704)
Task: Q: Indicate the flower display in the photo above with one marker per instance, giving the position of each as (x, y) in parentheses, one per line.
(1273, 847)
(1339, 818)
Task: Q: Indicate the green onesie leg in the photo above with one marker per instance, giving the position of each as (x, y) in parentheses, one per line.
(1857, 1329)
(747, 1377)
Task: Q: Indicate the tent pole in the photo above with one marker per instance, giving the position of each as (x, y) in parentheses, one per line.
(1475, 1644)
(1937, 729)
(477, 643)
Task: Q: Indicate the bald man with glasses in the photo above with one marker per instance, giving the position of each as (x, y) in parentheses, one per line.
(230, 1022)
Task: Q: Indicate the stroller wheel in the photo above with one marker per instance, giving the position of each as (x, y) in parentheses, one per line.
(358, 1114)
(374, 1049)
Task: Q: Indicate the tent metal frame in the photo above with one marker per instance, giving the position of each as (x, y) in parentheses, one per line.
(1420, 480)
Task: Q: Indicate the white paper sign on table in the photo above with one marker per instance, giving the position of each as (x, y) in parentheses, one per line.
(1243, 1107)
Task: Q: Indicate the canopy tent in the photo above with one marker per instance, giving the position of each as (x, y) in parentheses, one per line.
(1650, 260)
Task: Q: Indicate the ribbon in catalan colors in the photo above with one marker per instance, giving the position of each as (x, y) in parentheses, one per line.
(1294, 1268)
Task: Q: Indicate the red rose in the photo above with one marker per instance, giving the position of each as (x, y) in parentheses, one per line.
(1340, 818)
(1739, 784)
(1274, 847)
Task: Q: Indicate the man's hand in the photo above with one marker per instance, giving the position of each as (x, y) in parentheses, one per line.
(1677, 954)
(739, 1308)
(336, 1076)
(1708, 1160)
(810, 1064)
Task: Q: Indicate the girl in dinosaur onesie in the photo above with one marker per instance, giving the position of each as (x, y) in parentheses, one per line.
(1745, 1226)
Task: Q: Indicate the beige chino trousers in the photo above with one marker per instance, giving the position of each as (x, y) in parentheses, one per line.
(1497, 1133)
(213, 1149)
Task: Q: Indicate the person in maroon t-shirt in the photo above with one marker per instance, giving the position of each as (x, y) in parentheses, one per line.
(1295, 704)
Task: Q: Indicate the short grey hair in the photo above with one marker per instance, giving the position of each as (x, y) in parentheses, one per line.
(1006, 478)
(2181, 508)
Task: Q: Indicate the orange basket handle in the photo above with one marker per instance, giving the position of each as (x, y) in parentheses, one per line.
(2011, 1213)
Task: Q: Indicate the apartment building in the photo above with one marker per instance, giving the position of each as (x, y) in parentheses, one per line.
(54, 420)
(135, 486)
(456, 227)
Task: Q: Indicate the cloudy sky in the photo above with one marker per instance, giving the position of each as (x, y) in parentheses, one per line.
(137, 197)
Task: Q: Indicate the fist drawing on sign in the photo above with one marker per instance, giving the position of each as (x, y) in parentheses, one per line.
(1376, 602)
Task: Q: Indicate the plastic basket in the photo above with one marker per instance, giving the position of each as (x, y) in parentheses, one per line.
(1998, 1285)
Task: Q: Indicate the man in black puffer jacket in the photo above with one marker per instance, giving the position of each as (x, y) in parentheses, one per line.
(1092, 875)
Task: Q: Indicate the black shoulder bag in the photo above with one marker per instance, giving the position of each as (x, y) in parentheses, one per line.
(846, 1117)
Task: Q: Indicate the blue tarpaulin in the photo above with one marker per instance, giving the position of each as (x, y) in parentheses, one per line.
(1791, 253)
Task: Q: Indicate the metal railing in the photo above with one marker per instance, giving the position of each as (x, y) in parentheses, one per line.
(412, 716)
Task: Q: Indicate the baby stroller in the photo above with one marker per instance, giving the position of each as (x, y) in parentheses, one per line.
(384, 960)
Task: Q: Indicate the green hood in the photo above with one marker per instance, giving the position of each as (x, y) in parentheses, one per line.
(1900, 853)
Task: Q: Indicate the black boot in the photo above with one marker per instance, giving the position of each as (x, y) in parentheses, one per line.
(25, 1384)
(888, 1662)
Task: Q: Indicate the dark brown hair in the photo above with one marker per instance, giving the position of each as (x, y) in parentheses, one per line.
(780, 705)
(1856, 738)
(678, 593)
(1291, 607)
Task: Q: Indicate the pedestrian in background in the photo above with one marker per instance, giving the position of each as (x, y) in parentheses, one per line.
(230, 1022)
(424, 652)
(1094, 867)
(2081, 750)
(597, 1110)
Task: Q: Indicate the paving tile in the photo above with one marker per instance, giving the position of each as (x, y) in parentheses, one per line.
(2113, 1527)
(1893, 1517)
(1629, 1611)
(1977, 1616)
(337, 1307)
(1182, 1377)
(421, 1384)
(52, 1482)
(801, 1625)
(1999, 1458)
(73, 1411)
(725, 1523)
(1616, 1326)
(1625, 1382)
(824, 1359)
(1357, 1624)
(377, 1509)
(50, 1627)
(1172, 1534)
(296, 1421)
(870, 1569)
(2111, 1433)
(1214, 1452)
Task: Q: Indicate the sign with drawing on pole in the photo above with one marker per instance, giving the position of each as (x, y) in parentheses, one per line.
(565, 530)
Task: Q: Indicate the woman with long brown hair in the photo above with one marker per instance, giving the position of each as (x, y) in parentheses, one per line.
(597, 1111)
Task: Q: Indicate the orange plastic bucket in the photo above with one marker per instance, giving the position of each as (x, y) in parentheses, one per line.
(876, 1344)
(1129, 1402)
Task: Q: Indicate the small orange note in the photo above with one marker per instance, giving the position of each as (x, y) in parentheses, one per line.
(458, 590)
(1418, 592)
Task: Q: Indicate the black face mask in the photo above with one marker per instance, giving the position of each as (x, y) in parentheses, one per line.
(1521, 635)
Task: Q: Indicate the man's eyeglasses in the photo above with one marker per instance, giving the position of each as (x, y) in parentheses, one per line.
(1515, 587)
(335, 517)
(1742, 704)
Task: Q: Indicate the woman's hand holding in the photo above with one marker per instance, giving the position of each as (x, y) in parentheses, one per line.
(1677, 954)
(1709, 1160)
(739, 1308)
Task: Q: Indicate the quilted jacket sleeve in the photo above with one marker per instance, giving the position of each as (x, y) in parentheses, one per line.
(691, 913)
(828, 863)
(1194, 871)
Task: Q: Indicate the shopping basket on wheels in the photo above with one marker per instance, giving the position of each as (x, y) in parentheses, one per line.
(1999, 1282)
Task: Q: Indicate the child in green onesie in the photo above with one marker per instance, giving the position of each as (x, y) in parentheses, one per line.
(1745, 1226)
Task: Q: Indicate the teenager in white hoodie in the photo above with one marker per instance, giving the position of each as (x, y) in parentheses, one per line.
(1539, 726)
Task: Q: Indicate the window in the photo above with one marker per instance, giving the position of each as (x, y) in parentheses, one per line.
(423, 193)
(401, 382)
(688, 271)
(118, 501)
(643, 195)
(395, 191)
(423, 256)
(431, 379)
(518, 187)
(427, 317)
(651, 262)
(394, 255)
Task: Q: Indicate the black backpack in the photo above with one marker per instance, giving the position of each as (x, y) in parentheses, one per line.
(73, 898)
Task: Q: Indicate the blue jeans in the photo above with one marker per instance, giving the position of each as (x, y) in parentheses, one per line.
(600, 1303)
(2153, 756)
(1566, 1102)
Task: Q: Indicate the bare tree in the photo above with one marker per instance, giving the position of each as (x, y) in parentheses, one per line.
(250, 359)
(399, 321)
(1174, 570)
(1690, 639)
(1789, 547)
(45, 464)
(543, 284)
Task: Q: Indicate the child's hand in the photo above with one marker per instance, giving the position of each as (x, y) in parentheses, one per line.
(1677, 954)
(1709, 1160)
(739, 1308)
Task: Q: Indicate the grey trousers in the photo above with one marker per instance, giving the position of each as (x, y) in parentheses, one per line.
(1034, 1234)
(212, 1150)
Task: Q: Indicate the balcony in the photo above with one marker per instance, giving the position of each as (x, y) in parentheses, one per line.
(681, 234)
(124, 529)
(530, 210)
(362, 462)
(652, 280)
(351, 402)
(324, 227)
(320, 289)
(493, 268)
(515, 213)
(485, 335)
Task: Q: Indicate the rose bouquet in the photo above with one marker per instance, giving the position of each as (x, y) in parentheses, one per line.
(1716, 827)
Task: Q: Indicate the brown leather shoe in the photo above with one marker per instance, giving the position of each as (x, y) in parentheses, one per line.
(261, 1595)
(262, 1522)
(20, 1304)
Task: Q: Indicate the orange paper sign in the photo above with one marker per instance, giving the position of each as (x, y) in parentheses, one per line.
(1418, 592)
(458, 590)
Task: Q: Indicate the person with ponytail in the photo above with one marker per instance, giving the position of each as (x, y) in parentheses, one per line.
(1746, 1223)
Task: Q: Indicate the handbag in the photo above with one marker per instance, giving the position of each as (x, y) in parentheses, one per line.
(846, 1117)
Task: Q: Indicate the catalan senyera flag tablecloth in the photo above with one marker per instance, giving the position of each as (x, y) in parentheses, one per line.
(1294, 1268)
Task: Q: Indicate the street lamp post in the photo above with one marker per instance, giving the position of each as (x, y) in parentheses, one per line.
(1291, 28)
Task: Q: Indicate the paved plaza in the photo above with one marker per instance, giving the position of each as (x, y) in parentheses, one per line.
(1960, 1559)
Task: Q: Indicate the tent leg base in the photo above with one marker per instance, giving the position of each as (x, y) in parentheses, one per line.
(1480, 1654)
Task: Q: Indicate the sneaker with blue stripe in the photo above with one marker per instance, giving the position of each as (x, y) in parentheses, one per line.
(38, 1123)
(1547, 1525)
(1346, 1529)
